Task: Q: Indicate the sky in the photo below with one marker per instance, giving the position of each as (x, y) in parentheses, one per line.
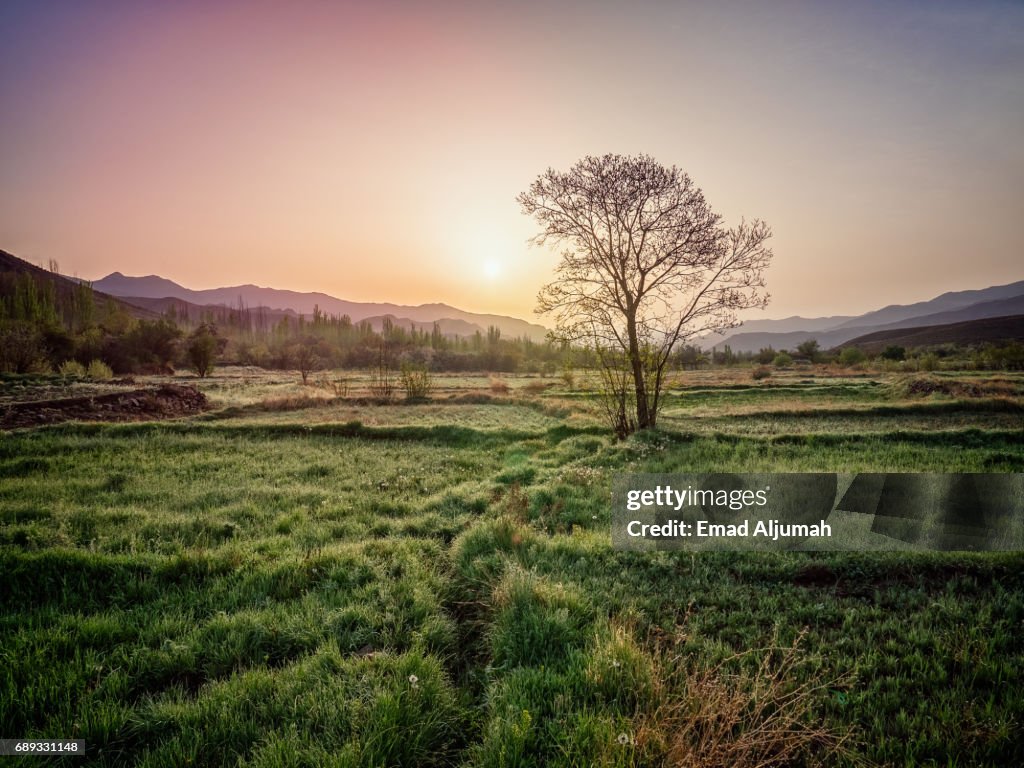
(374, 150)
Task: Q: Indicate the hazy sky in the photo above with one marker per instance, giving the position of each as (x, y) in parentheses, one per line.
(374, 150)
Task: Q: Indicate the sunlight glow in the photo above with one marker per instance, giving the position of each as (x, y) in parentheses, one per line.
(492, 269)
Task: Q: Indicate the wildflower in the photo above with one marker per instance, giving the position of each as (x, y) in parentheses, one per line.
(624, 739)
(616, 663)
(414, 681)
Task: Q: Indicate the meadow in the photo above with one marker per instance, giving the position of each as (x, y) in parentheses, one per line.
(304, 575)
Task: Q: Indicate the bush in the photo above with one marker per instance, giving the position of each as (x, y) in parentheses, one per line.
(99, 371)
(761, 372)
(415, 381)
(782, 359)
(72, 369)
(851, 356)
(929, 362)
(498, 386)
(21, 350)
(339, 386)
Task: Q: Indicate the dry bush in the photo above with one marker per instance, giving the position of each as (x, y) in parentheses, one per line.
(339, 386)
(515, 504)
(536, 387)
(711, 718)
(498, 386)
(416, 381)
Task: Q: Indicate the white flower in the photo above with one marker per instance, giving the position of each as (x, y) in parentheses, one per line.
(616, 664)
(624, 739)
(414, 681)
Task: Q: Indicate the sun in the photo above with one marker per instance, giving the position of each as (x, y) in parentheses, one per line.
(492, 269)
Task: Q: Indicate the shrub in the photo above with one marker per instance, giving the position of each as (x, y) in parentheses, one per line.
(99, 371)
(756, 719)
(851, 356)
(929, 362)
(782, 359)
(72, 369)
(498, 386)
(21, 349)
(535, 387)
(894, 352)
(339, 386)
(415, 381)
(761, 372)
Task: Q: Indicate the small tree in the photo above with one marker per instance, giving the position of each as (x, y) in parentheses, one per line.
(382, 382)
(306, 358)
(646, 266)
(782, 360)
(203, 347)
(809, 350)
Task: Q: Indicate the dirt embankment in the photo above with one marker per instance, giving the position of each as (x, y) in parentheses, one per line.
(167, 401)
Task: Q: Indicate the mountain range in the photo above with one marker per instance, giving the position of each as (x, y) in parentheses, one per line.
(452, 321)
(990, 329)
(955, 313)
(949, 308)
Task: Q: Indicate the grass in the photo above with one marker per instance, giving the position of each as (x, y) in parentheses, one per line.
(312, 580)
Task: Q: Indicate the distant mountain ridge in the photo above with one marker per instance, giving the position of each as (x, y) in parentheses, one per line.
(994, 329)
(274, 299)
(948, 308)
(785, 325)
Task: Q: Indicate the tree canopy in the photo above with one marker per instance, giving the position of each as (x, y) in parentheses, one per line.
(646, 264)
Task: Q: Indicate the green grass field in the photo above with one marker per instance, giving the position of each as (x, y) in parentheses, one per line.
(297, 579)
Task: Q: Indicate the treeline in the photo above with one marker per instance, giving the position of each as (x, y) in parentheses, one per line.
(48, 324)
(332, 341)
(43, 329)
(991, 356)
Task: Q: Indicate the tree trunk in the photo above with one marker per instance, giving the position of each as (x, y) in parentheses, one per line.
(643, 418)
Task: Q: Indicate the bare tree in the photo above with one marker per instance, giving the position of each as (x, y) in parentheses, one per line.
(306, 357)
(647, 264)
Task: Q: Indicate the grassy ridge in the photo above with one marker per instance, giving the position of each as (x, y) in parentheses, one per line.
(280, 592)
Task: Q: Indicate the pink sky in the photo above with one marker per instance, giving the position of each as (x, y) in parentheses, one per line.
(374, 150)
